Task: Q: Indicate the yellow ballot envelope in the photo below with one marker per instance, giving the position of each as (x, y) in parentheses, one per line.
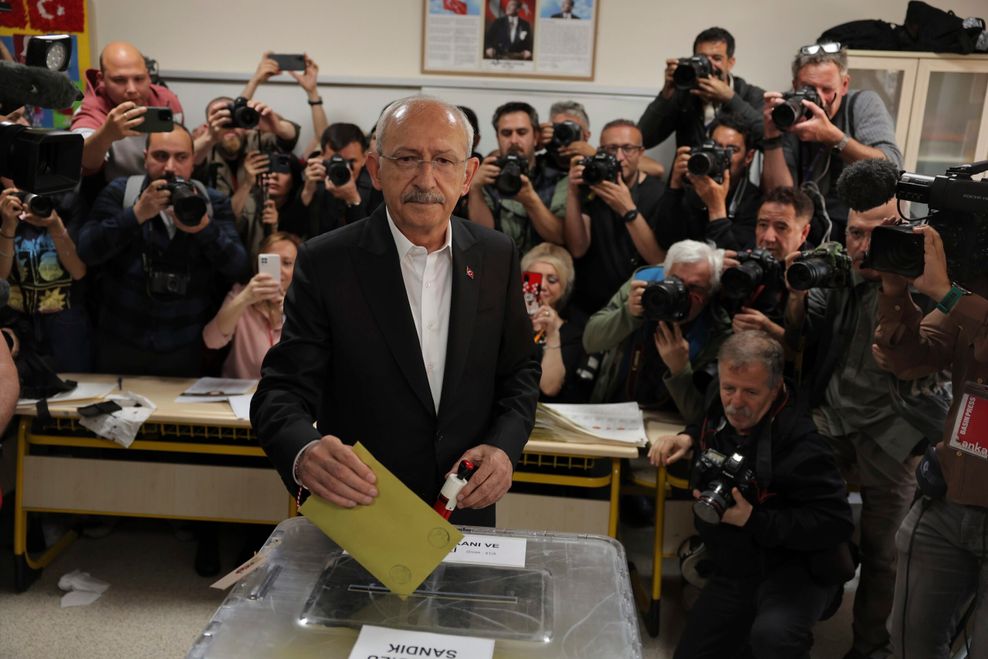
(398, 538)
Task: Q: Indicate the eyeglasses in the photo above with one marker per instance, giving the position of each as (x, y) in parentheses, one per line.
(442, 166)
(627, 149)
(814, 48)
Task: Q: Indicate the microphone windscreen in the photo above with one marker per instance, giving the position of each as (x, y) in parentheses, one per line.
(31, 85)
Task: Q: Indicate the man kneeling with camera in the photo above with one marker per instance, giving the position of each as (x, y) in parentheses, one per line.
(770, 507)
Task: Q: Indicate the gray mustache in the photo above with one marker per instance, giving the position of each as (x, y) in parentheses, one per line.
(424, 197)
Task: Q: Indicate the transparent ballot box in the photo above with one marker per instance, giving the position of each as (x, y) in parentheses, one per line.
(572, 598)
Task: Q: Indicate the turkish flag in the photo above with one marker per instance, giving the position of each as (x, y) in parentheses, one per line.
(57, 15)
(455, 6)
(16, 17)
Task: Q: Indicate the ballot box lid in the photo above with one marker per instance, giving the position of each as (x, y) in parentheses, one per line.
(571, 598)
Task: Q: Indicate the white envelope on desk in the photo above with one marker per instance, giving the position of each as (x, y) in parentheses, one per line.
(123, 425)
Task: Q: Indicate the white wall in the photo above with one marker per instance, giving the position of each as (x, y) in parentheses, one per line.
(371, 48)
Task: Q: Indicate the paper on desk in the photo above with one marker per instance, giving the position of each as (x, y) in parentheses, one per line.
(82, 391)
(398, 538)
(123, 425)
(215, 390)
(241, 406)
(614, 422)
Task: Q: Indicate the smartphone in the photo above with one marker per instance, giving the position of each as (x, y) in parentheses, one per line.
(269, 264)
(531, 288)
(289, 62)
(156, 120)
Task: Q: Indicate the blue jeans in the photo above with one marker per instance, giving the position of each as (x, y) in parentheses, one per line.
(936, 578)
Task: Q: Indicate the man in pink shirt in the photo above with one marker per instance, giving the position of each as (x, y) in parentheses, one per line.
(114, 104)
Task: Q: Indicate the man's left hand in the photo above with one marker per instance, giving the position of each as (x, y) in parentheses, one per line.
(491, 481)
(739, 513)
(673, 348)
(616, 195)
(711, 193)
(713, 89)
(269, 118)
(818, 128)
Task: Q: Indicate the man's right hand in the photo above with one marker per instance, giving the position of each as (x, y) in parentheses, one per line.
(635, 307)
(669, 448)
(679, 169)
(155, 198)
(266, 68)
(331, 470)
(669, 86)
(486, 173)
(121, 120)
(712, 194)
(218, 121)
(255, 164)
(575, 174)
(772, 101)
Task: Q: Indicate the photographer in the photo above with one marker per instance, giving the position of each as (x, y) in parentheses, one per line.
(942, 549)
(832, 129)
(688, 110)
(776, 525)
(609, 225)
(273, 201)
(332, 204)
(698, 206)
(858, 406)
(512, 191)
(161, 265)
(576, 132)
(657, 362)
(114, 104)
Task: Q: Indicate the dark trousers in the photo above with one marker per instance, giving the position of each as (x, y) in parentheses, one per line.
(764, 618)
(121, 358)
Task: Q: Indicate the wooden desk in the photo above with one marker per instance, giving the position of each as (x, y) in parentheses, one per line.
(138, 485)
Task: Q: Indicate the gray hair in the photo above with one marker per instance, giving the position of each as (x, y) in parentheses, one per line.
(412, 103)
(571, 108)
(753, 347)
(839, 58)
(693, 251)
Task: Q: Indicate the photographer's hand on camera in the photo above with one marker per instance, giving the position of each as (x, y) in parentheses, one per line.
(752, 319)
(713, 89)
(155, 198)
(635, 293)
(616, 195)
(11, 208)
(347, 192)
(669, 86)
(313, 174)
(679, 168)
(486, 173)
(772, 100)
(674, 349)
(712, 193)
(670, 448)
(255, 164)
(739, 513)
(818, 128)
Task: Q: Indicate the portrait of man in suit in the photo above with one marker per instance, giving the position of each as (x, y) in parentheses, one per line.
(509, 36)
(565, 10)
(405, 331)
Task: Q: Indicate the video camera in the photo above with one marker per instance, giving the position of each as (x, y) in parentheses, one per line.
(667, 300)
(338, 170)
(242, 115)
(508, 181)
(185, 200)
(958, 209)
(757, 271)
(722, 474)
(690, 70)
(42, 161)
(709, 159)
(786, 115)
(600, 167)
(827, 266)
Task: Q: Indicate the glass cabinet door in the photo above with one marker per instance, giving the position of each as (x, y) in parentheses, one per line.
(953, 119)
(893, 79)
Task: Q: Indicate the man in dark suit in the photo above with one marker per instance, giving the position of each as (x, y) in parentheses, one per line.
(510, 36)
(405, 331)
(567, 10)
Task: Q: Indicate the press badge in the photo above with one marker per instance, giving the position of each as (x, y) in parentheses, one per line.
(970, 433)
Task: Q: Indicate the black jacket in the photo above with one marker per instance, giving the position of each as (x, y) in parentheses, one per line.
(800, 501)
(683, 114)
(682, 216)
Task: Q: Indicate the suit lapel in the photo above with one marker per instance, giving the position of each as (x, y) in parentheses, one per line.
(379, 274)
(468, 277)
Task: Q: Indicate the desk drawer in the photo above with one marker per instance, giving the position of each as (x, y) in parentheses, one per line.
(120, 487)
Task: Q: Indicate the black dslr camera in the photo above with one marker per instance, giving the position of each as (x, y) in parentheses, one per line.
(786, 115)
(164, 280)
(721, 473)
(600, 167)
(189, 207)
(564, 134)
(690, 70)
(242, 115)
(827, 266)
(757, 270)
(709, 159)
(667, 300)
(508, 181)
(337, 169)
(38, 205)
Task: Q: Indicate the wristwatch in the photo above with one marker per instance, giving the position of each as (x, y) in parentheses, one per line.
(842, 144)
(952, 297)
(630, 216)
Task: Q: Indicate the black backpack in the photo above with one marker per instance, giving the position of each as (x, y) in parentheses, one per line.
(867, 35)
(930, 29)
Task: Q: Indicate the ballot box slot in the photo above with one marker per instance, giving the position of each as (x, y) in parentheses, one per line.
(260, 590)
(374, 588)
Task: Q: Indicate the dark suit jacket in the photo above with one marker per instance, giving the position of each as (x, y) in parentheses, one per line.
(571, 15)
(349, 358)
(499, 36)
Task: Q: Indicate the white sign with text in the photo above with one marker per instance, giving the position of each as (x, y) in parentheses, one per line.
(489, 550)
(382, 643)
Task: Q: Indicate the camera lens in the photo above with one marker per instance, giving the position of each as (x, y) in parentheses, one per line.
(189, 207)
(666, 300)
(684, 76)
(811, 273)
(337, 170)
(786, 115)
(565, 133)
(508, 182)
(700, 164)
(712, 503)
(740, 282)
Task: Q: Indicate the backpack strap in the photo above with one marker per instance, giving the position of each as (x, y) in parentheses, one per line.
(852, 97)
(133, 189)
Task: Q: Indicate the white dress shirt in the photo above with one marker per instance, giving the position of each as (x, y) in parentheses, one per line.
(513, 27)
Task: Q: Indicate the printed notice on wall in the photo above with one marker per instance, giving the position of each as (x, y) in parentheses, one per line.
(537, 38)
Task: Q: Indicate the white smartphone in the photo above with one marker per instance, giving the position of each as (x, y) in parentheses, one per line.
(270, 264)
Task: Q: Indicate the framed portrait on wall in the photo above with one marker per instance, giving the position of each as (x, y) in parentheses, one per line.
(527, 38)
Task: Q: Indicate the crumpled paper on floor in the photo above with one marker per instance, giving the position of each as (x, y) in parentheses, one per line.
(121, 426)
(83, 588)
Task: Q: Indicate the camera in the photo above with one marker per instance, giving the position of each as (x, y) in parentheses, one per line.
(827, 266)
(709, 159)
(955, 190)
(185, 200)
(895, 248)
(38, 205)
(600, 167)
(508, 181)
(564, 134)
(666, 300)
(787, 114)
(45, 161)
(757, 270)
(279, 163)
(162, 282)
(338, 170)
(690, 70)
(722, 473)
(242, 115)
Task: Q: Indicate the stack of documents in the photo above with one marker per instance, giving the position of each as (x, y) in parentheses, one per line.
(215, 390)
(615, 423)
